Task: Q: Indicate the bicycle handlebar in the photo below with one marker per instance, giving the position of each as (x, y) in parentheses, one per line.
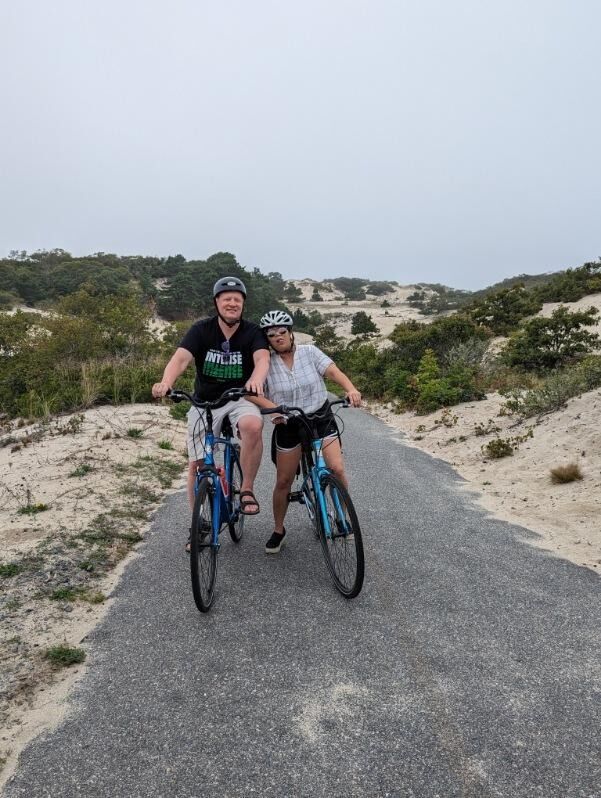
(231, 395)
(288, 410)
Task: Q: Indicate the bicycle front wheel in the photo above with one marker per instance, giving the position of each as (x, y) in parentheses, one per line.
(203, 553)
(343, 546)
(236, 524)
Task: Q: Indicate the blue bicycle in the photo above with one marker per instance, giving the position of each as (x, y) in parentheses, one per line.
(330, 508)
(217, 498)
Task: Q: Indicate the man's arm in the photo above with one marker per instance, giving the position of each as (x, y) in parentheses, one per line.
(259, 375)
(174, 369)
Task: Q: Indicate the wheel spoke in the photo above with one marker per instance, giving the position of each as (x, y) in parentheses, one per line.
(342, 544)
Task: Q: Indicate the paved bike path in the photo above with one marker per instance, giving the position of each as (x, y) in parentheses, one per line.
(469, 665)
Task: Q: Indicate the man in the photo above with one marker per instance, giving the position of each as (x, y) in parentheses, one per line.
(229, 352)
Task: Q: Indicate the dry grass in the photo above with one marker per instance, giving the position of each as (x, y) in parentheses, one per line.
(567, 473)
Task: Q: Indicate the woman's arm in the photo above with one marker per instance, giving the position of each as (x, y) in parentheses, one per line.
(339, 377)
(263, 401)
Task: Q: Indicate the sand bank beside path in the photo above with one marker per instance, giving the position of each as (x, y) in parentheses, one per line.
(518, 488)
(77, 495)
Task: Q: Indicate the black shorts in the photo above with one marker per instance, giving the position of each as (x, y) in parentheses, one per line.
(289, 435)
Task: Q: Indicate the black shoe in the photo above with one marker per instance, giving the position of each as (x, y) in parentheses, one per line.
(275, 543)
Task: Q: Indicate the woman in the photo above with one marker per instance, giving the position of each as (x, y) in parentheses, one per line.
(295, 377)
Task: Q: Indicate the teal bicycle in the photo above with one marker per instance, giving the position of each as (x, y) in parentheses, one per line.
(217, 498)
(329, 506)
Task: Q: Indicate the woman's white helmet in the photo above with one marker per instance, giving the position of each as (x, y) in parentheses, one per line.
(276, 318)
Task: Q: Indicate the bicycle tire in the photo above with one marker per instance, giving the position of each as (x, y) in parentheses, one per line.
(203, 552)
(343, 551)
(236, 528)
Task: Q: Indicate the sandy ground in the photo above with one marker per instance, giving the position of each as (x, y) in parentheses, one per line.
(82, 467)
(341, 312)
(518, 488)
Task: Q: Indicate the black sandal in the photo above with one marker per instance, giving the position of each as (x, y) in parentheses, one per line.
(249, 501)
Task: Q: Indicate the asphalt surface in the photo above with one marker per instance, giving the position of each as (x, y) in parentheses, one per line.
(468, 666)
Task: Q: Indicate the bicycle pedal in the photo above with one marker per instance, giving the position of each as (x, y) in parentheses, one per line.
(296, 496)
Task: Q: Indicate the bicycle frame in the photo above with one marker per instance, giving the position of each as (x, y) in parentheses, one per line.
(223, 508)
(315, 472)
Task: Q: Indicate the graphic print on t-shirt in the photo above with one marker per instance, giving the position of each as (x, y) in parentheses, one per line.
(223, 365)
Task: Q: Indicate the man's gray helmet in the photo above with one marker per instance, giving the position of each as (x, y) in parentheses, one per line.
(276, 318)
(229, 284)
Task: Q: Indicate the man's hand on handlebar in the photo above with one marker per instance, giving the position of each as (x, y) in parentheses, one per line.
(160, 389)
(255, 388)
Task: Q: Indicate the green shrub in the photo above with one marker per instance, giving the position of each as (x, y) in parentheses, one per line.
(571, 285)
(433, 391)
(502, 311)
(504, 447)
(546, 343)
(556, 389)
(412, 338)
(64, 656)
(497, 448)
(362, 324)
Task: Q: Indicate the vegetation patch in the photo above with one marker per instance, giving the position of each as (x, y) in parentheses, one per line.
(553, 392)
(486, 429)
(64, 656)
(9, 569)
(179, 411)
(32, 509)
(134, 432)
(567, 473)
(81, 470)
(505, 447)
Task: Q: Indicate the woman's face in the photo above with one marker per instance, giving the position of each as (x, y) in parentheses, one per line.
(279, 338)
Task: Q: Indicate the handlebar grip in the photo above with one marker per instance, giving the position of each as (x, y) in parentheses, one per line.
(175, 396)
(267, 410)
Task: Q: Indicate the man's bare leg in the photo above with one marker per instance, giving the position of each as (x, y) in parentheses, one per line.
(192, 479)
(251, 451)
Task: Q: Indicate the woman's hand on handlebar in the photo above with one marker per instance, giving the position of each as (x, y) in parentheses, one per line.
(354, 397)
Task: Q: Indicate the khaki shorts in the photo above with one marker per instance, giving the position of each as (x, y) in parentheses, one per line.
(196, 425)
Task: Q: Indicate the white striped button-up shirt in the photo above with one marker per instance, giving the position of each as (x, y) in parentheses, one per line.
(302, 385)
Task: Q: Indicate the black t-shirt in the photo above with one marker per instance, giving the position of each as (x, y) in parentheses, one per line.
(219, 366)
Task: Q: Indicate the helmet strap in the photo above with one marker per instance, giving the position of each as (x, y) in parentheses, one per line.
(229, 323)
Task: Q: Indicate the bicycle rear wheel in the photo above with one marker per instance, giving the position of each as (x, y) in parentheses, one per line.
(203, 552)
(343, 549)
(236, 527)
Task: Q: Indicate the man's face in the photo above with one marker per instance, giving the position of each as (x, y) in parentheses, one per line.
(230, 305)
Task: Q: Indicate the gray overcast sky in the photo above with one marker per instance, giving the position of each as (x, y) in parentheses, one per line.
(453, 141)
